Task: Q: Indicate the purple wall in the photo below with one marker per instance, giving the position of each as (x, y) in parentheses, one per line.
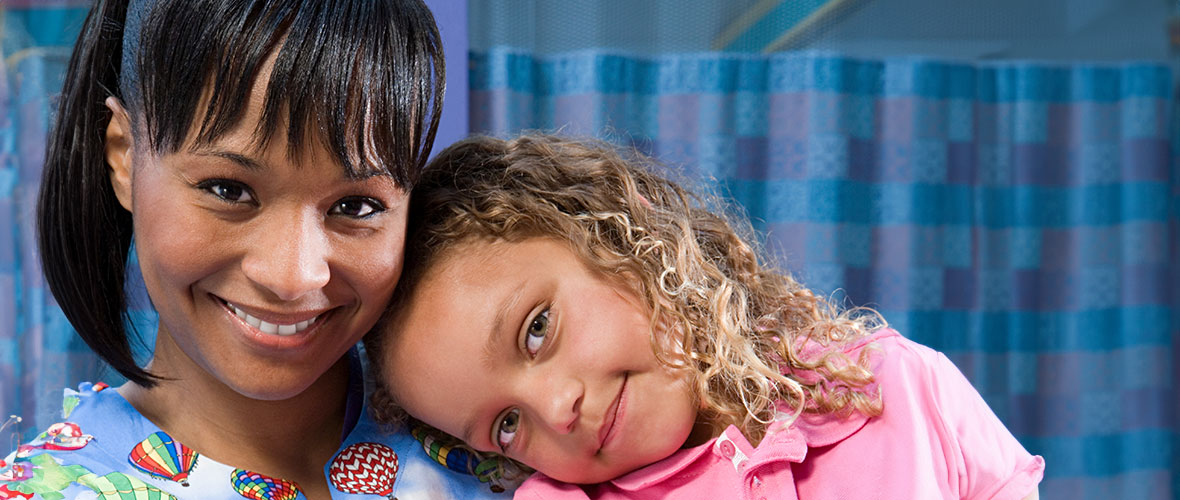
(451, 16)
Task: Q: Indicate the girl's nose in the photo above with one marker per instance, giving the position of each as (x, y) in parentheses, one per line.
(289, 256)
(560, 404)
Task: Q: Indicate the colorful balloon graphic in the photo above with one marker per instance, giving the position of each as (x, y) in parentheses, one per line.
(160, 456)
(365, 468)
(445, 450)
(259, 487)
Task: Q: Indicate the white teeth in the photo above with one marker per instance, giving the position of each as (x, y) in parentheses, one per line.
(271, 328)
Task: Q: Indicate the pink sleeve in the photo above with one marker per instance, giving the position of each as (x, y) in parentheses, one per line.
(539, 487)
(993, 464)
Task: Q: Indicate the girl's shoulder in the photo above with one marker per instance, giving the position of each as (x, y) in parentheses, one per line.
(888, 350)
(895, 358)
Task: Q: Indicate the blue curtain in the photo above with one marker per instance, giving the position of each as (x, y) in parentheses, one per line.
(39, 353)
(1020, 217)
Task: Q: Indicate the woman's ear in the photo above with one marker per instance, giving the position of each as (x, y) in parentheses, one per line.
(119, 150)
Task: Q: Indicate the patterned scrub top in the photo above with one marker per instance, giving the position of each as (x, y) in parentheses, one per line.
(104, 449)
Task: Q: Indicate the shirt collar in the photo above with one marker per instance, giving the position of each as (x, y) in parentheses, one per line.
(664, 469)
(817, 430)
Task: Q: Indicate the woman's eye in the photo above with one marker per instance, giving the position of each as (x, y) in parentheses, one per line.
(231, 191)
(534, 338)
(506, 429)
(357, 208)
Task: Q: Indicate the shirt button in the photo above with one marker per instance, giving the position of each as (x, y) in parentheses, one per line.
(727, 449)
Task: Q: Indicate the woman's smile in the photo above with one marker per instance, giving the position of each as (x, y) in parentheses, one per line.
(283, 324)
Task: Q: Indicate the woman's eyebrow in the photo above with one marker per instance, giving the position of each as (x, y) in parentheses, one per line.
(240, 159)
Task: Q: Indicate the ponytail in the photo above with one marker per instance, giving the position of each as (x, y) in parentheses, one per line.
(84, 234)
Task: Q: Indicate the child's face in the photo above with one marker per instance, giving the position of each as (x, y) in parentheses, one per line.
(520, 349)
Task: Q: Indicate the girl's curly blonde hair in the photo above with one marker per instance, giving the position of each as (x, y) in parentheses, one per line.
(739, 325)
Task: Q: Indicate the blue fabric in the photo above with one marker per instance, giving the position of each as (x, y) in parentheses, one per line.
(1020, 217)
(39, 353)
(102, 445)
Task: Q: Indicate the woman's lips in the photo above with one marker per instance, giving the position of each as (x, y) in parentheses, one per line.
(272, 328)
(610, 426)
(292, 331)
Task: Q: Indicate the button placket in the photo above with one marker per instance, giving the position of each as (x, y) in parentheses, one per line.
(725, 448)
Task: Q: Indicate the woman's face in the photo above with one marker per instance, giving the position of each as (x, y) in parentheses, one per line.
(520, 349)
(265, 268)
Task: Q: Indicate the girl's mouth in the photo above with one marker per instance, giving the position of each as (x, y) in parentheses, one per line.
(613, 413)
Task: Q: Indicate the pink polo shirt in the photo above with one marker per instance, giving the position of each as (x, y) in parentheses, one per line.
(936, 439)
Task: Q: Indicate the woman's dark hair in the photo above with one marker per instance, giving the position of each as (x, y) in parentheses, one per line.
(365, 78)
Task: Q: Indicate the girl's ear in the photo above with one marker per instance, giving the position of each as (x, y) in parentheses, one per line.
(119, 150)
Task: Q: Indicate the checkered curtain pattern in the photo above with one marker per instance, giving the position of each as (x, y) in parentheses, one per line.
(1020, 217)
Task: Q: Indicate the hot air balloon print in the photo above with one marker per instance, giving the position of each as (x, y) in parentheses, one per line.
(365, 468)
(447, 452)
(256, 486)
(162, 457)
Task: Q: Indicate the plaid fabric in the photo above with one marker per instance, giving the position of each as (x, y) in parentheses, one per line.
(39, 353)
(1020, 217)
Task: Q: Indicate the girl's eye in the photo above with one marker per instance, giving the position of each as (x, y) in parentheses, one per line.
(538, 330)
(506, 429)
(357, 208)
(230, 191)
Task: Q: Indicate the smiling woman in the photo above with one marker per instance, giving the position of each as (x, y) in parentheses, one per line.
(259, 154)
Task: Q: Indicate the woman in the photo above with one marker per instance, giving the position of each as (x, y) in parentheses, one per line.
(259, 154)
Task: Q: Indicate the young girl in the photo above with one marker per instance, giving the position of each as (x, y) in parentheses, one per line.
(565, 306)
(259, 154)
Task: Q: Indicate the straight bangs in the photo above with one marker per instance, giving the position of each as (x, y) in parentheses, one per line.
(363, 78)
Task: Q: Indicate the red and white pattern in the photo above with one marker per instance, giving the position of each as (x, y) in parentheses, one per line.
(367, 468)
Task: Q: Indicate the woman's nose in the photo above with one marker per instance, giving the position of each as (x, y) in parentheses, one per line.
(289, 256)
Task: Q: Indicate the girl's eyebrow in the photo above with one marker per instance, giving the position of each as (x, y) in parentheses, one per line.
(492, 337)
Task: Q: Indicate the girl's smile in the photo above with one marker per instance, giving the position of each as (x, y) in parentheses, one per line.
(613, 414)
(520, 349)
